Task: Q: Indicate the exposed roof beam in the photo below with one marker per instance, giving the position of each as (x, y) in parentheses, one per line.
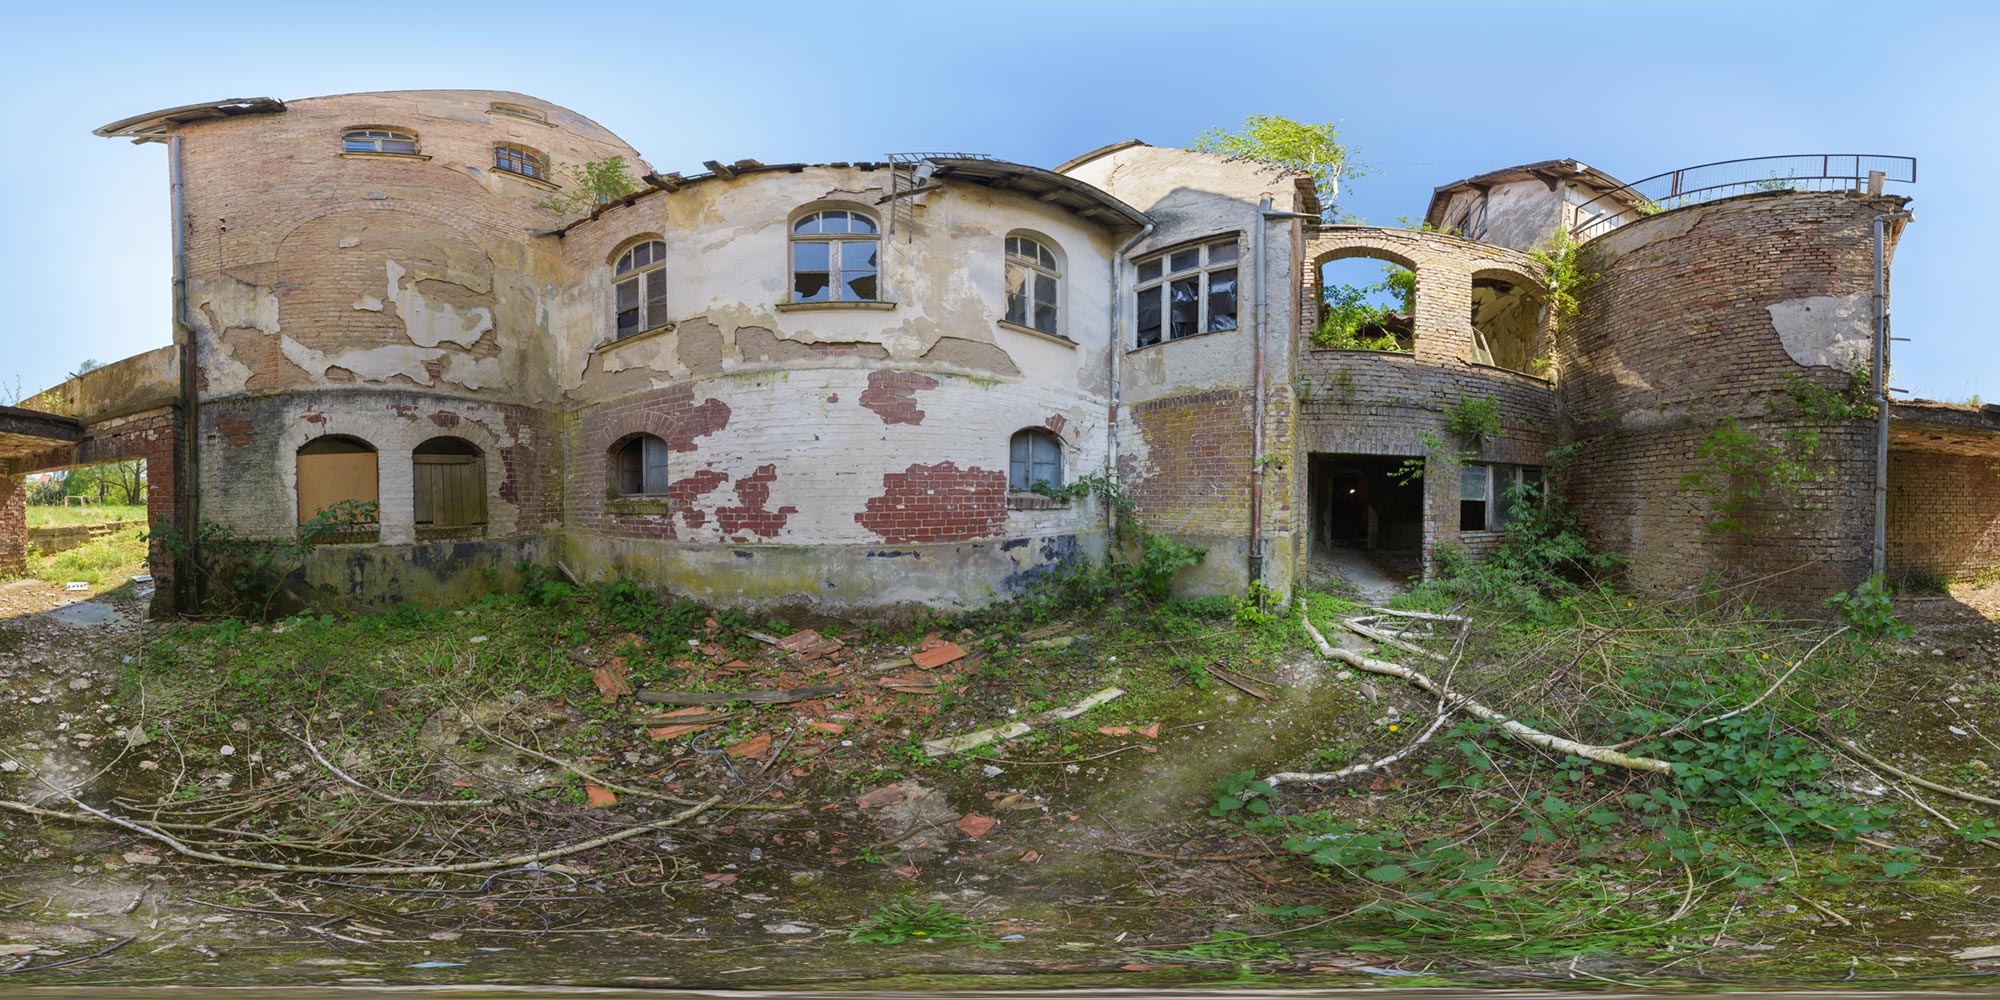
(715, 167)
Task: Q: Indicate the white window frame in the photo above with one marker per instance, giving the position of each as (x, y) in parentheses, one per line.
(1492, 490)
(644, 279)
(837, 243)
(373, 139)
(1031, 258)
(1202, 272)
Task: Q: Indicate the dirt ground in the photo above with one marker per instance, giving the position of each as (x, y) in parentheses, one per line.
(1088, 867)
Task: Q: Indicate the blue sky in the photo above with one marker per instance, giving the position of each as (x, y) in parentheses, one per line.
(1428, 91)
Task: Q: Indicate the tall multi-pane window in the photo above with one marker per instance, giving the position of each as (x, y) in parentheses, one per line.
(1034, 285)
(639, 289)
(378, 140)
(836, 257)
(1187, 292)
(520, 160)
(1035, 456)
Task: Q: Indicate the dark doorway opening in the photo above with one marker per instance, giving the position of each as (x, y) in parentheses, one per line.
(1359, 502)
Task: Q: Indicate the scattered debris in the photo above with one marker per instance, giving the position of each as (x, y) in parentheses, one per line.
(931, 659)
(976, 826)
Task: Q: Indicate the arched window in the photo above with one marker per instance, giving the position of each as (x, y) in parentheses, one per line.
(378, 140)
(639, 289)
(1034, 284)
(334, 469)
(520, 160)
(639, 466)
(518, 111)
(1035, 456)
(835, 257)
(449, 479)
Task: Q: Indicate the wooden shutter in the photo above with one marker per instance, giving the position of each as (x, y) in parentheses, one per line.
(450, 490)
(1019, 460)
(327, 479)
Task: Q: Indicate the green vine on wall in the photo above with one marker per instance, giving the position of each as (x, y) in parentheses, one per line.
(1474, 420)
(1567, 273)
(1737, 465)
(1158, 556)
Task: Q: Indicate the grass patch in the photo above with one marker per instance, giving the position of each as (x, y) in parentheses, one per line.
(42, 516)
(96, 562)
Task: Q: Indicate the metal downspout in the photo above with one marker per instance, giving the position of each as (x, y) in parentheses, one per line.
(1115, 360)
(1880, 557)
(1259, 325)
(187, 479)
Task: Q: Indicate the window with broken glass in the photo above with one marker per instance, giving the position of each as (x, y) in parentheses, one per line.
(1035, 458)
(378, 140)
(835, 258)
(1034, 285)
(1487, 500)
(641, 467)
(520, 160)
(639, 289)
(1187, 292)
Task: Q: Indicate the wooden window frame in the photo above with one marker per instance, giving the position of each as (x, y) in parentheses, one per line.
(1031, 266)
(651, 309)
(506, 152)
(1492, 518)
(650, 464)
(365, 133)
(1202, 272)
(836, 285)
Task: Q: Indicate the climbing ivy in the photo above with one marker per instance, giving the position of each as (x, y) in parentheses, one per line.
(1561, 257)
(1736, 465)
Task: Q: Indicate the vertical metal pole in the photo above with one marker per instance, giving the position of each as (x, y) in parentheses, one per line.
(1880, 556)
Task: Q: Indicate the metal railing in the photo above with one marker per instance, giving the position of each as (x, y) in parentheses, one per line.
(1728, 178)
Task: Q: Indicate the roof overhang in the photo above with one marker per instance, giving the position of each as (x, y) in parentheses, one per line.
(1047, 186)
(1549, 172)
(1952, 428)
(31, 432)
(153, 126)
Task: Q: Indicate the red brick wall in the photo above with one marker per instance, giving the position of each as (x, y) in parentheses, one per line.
(937, 503)
(1674, 337)
(13, 526)
(1193, 475)
(1944, 515)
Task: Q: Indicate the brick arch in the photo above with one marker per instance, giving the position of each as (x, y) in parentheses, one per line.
(1444, 265)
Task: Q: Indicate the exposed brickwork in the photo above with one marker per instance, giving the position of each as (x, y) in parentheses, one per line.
(752, 518)
(937, 503)
(1193, 474)
(13, 526)
(1944, 514)
(893, 395)
(1674, 337)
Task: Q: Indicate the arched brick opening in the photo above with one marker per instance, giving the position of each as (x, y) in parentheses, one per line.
(1508, 321)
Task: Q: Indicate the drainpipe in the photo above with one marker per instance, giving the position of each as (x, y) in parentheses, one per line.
(1880, 561)
(1265, 216)
(1115, 360)
(187, 478)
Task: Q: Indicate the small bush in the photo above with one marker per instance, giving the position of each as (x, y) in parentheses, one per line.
(1868, 610)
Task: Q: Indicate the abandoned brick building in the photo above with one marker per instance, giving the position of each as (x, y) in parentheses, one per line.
(835, 383)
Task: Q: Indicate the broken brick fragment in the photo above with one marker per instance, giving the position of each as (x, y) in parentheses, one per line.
(596, 796)
(931, 659)
(888, 795)
(976, 826)
(755, 746)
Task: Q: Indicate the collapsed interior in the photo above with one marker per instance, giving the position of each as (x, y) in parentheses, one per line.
(1506, 322)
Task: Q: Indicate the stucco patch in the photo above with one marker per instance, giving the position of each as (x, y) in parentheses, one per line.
(1823, 329)
(430, 321)
(700, 346)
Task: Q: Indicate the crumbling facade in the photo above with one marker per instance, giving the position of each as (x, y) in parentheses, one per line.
(847, 384)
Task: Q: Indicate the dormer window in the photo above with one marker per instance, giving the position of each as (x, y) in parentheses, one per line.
(378, 140)
(520, 160)
(518, 111)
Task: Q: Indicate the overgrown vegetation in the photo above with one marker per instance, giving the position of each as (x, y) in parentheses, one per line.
(1738, 465)
(96, 562)
(1152, 559)
(246, 576)
(1351, 319)
(1315, 149)
(591, 184)
(1566, 274)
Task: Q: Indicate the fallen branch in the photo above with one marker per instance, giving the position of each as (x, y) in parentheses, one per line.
(80, 959)
(1734, 712)
(378, 793)
(1956, 793)
(592, 776)
(1523, 733)
(1219, 674)
(726, 697)
(1357, 626)
(1298, 777)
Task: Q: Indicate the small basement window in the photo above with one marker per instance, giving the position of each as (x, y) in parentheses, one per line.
(378, 140)
(639, 467)
(521, 160)
(1487, 498)
(1035, 457)
(1187, 292)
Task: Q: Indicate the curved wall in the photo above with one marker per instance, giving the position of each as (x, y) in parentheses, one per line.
(1698, 315)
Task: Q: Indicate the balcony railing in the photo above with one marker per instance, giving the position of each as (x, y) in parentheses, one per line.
(1727, 178)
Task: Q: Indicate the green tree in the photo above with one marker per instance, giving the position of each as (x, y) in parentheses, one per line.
(598, 182)
(1315, 149)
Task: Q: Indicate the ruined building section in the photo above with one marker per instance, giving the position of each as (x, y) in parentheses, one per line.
(849, 388)
(852, 384)
(1385, 470)
(1697, 322)
(1187, 397)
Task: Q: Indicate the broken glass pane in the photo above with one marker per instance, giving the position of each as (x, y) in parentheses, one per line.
(1222, 299)
(1186, 260)
(811, 286)
(1149, 317)
(856, 255)
(628, 322)
(1017, 294)
(1185, 306)
(1149, 271)
(860, 285)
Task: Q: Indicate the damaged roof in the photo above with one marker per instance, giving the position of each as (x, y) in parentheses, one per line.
(1550, 172)
(153, 126)
(1045, 185)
